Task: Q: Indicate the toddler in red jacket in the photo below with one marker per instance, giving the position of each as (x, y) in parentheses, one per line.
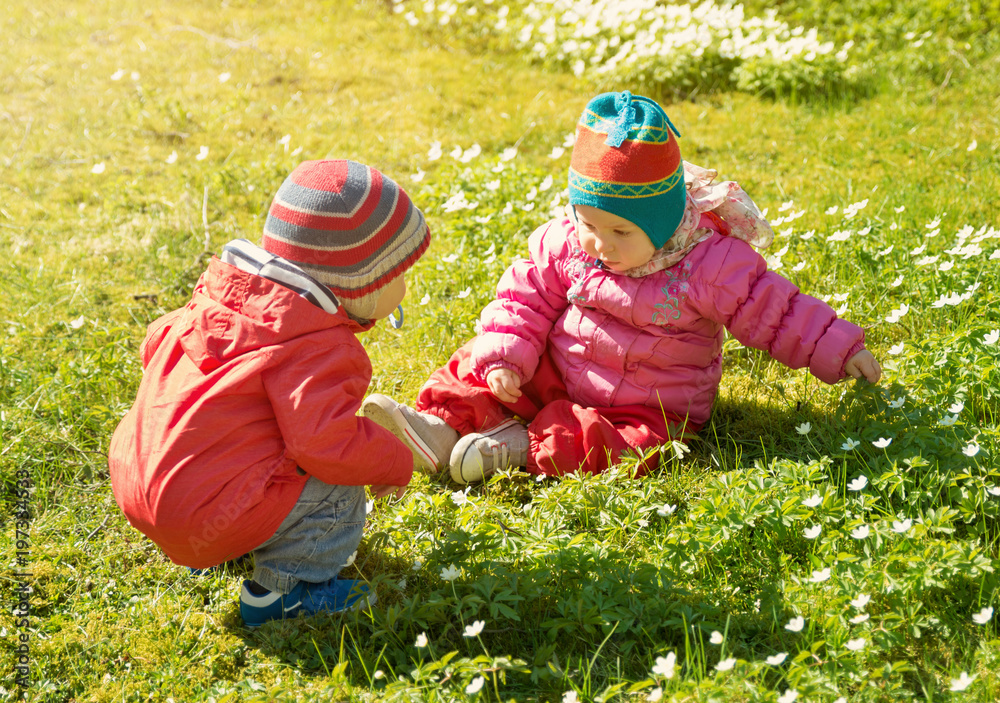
(244, 436)
(608, 338)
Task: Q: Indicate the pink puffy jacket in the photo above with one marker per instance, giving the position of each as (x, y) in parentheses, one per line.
(654, 340)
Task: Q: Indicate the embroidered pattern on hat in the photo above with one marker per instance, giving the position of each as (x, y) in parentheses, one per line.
(625, 190)
(647, 134)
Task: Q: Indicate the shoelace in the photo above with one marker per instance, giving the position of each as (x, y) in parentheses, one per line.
(501, 452)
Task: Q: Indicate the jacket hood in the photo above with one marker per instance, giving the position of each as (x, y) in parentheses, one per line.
(233, 312)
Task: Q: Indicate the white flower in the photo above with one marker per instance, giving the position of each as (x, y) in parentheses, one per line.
(813, 500)
(474, 629)
(896, 349)
(459, 498)
(655, 695)
(861, 601)
(861, 532)
(418, 176)
(972, 145)
(962, 682)
(971, 449)
(557, 152)
(897, 403)
(804, 428)
(882, 442)
(983, 616)
(78, 322)
(465, 293)
(993, 490)
(850, 445)
(98, 168)
(225, 76)
(451, 573)
(777, 658)
(202, 153)
(832, 210)
(897, 282)
(820, 576)
(350, 559)
(435, 152)
(858, 619)
(788, 696)
(417, 565)
(796, 624)
(118, 75)
(992, 337)
(426, 299)
(172, 159)
(956, 407)
(666, 509)
(856, 645)
(665, 665)
(369, 506)
(902, 526)
(897, 314)
(726, 664)
(948, 420)
(716, 637)
(421, 641)
(509, 154)
(475, 686)
(858, 484)
(812, 532)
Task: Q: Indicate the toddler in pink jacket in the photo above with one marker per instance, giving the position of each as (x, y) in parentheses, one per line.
(609, 336)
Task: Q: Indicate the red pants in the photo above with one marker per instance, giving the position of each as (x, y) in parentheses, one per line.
(564, 436)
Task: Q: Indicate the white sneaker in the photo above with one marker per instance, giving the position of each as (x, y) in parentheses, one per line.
(477, 456)
(430, 438)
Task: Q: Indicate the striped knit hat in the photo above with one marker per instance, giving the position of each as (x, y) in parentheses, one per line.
(347, 225)
(626, 161)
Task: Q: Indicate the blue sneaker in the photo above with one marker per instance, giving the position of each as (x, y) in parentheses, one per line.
(333, 596)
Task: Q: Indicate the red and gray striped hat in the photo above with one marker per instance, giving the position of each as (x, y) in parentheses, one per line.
(347, 225)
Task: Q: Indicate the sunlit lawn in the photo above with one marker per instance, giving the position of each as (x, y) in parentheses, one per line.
(815, 543)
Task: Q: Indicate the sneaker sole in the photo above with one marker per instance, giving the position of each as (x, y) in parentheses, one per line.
(469, 467)
(393, 420)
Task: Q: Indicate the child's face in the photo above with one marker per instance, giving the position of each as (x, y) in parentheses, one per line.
(390, 298)
(620, 244)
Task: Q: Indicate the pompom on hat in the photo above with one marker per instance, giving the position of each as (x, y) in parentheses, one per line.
(626, 161)
(348, 226)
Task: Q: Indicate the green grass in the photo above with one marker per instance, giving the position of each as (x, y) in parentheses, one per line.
(581, 583)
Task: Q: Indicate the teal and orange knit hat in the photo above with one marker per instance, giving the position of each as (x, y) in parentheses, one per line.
(626, 161)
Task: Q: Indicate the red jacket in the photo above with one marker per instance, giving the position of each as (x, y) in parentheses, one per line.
(243, 385)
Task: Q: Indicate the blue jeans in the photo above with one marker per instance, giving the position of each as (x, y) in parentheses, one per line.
(315, 540)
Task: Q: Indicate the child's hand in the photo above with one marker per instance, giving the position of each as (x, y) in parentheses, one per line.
(863, 364)
(504, 384)
(383, 491)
